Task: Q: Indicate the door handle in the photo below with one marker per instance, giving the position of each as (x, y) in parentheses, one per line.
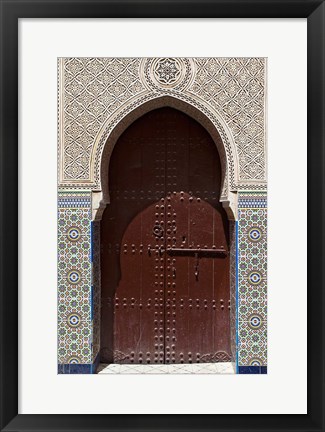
(210, 253)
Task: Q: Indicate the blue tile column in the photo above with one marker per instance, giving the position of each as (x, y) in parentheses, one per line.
(252, 282)
(75, 330)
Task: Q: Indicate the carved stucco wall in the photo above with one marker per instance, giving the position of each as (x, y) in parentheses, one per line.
(98, 98)
(97, 93)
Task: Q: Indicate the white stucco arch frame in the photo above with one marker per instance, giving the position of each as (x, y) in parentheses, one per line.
(196, 108)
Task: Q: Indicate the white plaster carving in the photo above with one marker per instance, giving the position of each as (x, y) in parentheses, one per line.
(98, 93)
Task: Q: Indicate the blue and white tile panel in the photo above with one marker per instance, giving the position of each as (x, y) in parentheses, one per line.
(75, 297)
(252, 283)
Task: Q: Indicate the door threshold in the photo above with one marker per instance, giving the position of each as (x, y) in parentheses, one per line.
(196, 368)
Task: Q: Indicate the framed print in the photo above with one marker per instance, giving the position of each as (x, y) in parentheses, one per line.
(163, 212)
(150, 280)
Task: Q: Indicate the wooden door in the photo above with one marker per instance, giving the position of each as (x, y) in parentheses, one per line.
(164, 246)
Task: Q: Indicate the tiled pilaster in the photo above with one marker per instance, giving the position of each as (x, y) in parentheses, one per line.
(252, 282)
(75, 327)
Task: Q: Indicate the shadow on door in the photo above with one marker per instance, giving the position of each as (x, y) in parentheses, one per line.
(165, 246)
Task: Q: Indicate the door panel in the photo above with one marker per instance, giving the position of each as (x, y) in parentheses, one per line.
(161, 234)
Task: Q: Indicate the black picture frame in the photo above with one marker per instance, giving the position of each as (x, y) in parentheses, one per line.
(11, 11)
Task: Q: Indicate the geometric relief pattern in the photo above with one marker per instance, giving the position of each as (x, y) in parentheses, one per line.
(95, 89)
(74, 277)
(252, 279)
(236, 88)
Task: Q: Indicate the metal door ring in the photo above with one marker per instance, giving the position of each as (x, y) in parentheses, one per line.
(158, 230)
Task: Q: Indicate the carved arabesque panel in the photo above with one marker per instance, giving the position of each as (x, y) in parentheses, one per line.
(93, 90)
(236, 88)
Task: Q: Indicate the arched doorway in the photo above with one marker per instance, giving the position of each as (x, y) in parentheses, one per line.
(165, 246)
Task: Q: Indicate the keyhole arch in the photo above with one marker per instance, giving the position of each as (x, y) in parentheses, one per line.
(134, 257)
(101, 154)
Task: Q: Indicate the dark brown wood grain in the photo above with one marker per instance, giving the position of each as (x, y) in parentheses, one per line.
(160, 306)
